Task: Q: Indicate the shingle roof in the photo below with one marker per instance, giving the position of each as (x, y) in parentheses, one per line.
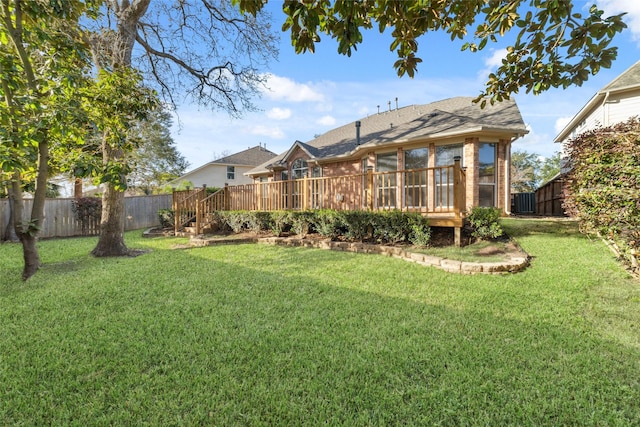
(453, 115)
(252, 156)
(629, 78)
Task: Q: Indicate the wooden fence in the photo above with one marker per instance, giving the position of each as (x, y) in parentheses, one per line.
(60, 220)
(550, 197)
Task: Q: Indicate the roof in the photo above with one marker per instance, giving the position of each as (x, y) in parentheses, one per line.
(449, 117)
(629, 79)
(252, 156)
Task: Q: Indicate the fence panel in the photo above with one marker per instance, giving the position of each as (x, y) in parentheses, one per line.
(60, 220)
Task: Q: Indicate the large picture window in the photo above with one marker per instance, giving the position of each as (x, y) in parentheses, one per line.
(445, 155)
(415, 177)
(487, 180)
(386, 181)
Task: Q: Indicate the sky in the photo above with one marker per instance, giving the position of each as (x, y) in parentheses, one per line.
(309, 94)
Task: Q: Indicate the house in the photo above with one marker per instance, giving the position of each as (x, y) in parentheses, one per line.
(438, 159)
(412, 138)
(614, 103)
(227, 170)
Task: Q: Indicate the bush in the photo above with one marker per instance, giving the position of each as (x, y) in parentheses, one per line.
(420, 231)
(237, 220)
(280, 222)
(391, 226)
(88, 211)
(605, 183)
(166, 218)
(259, 221)
(301, 222)
(328, 223)
(358, 225)
(484, 223)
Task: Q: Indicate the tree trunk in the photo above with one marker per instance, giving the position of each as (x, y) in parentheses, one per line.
(10, 231)
(111, 241)
(30, 255)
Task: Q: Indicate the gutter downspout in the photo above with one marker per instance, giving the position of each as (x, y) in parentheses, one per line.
(605, 121)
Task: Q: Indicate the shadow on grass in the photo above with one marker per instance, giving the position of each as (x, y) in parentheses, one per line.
(239, 336)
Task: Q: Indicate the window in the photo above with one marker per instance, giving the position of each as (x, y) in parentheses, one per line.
(415, 177)
(231, 172)
(487, 180)
(299, 169)
(386, 165)
(445, 155)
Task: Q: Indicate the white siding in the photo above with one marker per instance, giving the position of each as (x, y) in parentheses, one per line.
(622, 107)
(216, 176)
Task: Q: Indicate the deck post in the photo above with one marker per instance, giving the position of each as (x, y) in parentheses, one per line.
(458, 199)
(370, 188)
(305, 194)
(225, 204)
(176, 214)
(199, 198)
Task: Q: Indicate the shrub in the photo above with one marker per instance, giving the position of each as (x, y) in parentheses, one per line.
(259, 221)
(237, 220)
(605, 183)
(301, 222)
(280, 222)
(327, 223)
(391, 226)
(88, 211)
(484, 222)
(420, 231)
(166, 218)
(358, 225)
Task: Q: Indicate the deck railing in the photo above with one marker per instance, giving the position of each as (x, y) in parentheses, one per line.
(429, 190)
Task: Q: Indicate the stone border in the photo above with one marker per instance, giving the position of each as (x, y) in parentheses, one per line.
(513, 265)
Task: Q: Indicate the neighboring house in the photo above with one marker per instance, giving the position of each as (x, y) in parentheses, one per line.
(616, 102)
(228, 170)
(416, 137)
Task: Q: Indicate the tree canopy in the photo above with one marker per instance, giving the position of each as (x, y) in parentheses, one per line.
(555, 44)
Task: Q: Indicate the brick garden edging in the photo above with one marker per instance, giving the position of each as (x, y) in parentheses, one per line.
(513, 265)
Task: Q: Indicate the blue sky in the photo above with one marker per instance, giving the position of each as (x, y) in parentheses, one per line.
(310, 94)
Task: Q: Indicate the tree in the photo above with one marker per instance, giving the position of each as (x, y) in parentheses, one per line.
(550, 168)
(530, 170)
(203, 48)
(156, 160)
(42, 69)
(524, 171)
(555, 45)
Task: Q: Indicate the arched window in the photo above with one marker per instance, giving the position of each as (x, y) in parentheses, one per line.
(299, 169)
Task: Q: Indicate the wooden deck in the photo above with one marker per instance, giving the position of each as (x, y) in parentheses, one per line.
(438, 193)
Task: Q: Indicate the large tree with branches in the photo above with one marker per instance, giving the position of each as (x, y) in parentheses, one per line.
(204, 49)
(555, 44)
(43, 67)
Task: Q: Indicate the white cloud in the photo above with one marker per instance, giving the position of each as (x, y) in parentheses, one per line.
(283, 88)
(631, 7)
(492, 62)
(561, 122)
(326, 121)
(277, 113)
(271, 132)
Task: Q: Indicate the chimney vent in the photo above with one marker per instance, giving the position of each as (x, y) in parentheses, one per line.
(357, 133)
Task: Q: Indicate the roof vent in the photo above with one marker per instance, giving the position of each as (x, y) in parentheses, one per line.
(358, 133)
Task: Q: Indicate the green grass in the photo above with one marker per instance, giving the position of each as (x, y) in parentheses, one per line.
(262, 335)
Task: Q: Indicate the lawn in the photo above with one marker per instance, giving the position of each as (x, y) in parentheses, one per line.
(265, 335)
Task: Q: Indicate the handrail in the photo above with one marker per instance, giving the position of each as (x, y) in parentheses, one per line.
(438, 189)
